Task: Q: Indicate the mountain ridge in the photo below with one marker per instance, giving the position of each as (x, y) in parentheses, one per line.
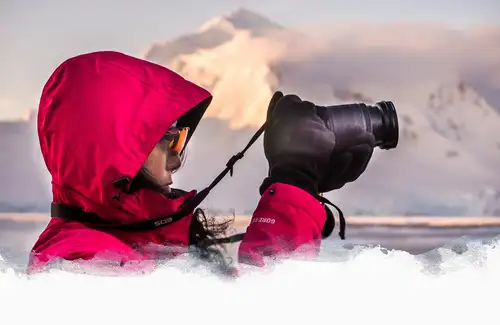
(435, 107)
(448, 156)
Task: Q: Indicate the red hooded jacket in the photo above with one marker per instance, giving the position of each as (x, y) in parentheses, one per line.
(100, 116)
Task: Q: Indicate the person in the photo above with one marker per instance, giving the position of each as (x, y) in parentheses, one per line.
(113, 128)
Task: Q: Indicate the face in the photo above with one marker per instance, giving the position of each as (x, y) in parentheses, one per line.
(165, 157)
(161, 163)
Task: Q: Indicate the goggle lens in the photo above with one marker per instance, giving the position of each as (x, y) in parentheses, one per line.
(176, 138)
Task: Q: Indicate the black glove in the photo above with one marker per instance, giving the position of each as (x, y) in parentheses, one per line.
(348, 164)
(297, 144)
(352, 153)
(300, 146)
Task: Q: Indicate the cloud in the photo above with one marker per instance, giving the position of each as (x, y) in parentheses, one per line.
(397, 61)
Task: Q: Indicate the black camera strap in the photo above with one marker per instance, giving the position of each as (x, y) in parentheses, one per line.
(95, 221)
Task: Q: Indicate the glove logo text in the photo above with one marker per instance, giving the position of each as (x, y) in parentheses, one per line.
(264, 220)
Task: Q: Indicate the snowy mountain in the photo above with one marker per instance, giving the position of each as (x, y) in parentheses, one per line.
(211, 34)
(449, 148)
(230, 56)
(447, 94)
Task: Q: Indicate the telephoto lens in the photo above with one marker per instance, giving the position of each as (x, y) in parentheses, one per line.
(350, 121)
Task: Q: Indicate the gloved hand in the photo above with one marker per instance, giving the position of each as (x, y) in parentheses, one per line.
(297, 144)
(347, 164)
(301, 147)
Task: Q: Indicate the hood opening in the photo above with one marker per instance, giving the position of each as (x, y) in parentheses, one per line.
(190, 119)
(193, 117)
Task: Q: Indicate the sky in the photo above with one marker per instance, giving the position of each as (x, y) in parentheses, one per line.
(36, 36)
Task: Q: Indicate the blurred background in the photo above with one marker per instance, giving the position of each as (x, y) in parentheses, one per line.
(438, 61)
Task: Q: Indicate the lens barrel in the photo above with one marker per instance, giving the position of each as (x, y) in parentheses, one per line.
(350, 121)
(385, 126)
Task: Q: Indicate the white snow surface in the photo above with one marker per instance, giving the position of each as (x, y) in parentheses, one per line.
(361, 286)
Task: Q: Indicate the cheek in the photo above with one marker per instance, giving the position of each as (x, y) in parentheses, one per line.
(156, 162)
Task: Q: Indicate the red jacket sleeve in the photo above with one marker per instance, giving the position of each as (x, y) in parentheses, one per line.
(287, 219)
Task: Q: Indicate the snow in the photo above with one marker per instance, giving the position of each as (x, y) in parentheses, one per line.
(366, 286)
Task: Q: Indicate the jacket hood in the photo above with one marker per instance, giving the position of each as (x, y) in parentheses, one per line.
(100, 116)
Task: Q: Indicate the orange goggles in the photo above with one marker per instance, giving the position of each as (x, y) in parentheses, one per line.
(176, 138)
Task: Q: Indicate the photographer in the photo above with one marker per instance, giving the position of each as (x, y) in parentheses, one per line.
(112, 130)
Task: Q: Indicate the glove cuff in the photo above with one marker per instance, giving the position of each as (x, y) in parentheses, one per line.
(303, 178)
